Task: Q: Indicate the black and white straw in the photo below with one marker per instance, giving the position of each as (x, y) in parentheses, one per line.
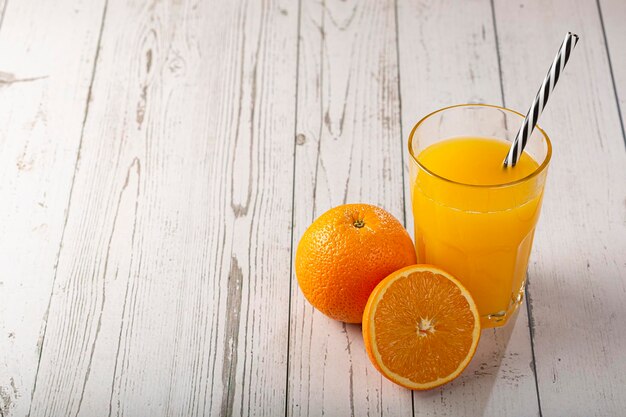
(541, 99)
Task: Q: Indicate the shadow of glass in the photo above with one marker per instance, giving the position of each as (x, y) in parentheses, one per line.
(483, 371)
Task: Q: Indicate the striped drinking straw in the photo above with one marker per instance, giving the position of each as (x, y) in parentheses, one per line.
(541, 99)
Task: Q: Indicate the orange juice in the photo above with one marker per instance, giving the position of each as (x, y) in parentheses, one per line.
(476, 219)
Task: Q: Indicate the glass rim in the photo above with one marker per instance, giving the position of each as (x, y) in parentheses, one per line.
(540, 168)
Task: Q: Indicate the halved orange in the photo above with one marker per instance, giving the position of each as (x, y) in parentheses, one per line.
(420, 327)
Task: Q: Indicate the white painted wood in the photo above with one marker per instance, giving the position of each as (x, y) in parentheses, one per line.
(47, 52)
(3, 4)
(448, 56)
(613, 17)
(578, 271)
(172, 291)
(172, 256)
(348, 150)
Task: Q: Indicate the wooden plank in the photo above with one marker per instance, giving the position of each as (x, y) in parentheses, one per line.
(173, 281)
(47, 52)
(613, 14)
(348, 150)
(448, 56)
(578, 272)
(3, 5)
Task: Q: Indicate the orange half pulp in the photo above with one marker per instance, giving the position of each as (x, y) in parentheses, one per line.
(420, 327)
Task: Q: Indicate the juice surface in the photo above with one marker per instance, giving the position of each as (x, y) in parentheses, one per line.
(481, 235)
(476, 161)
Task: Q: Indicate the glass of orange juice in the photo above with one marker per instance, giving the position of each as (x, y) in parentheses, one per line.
(473, 217)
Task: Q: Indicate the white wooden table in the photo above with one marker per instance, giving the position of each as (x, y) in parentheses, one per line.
(160, 160)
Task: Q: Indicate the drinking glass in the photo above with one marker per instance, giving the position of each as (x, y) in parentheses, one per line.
(481, 234)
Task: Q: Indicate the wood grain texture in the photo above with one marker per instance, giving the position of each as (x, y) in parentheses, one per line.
(448, 56)
(173, 279)
(153, 193)
(613, 14)
(42, 108)
(578, 268)
(348, 150)
(3, 6)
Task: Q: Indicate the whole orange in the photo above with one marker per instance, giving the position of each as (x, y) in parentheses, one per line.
(345, 253)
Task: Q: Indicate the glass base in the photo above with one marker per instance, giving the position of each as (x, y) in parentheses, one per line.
(502, 317)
